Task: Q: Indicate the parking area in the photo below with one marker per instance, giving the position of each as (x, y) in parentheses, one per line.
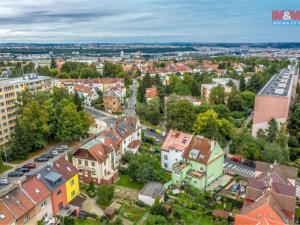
(30, 166)
(233, 168)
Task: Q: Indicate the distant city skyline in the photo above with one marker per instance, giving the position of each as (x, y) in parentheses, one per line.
(128, 21)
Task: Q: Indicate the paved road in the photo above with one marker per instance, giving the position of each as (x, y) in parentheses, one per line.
(238, 168)
(31, 160)
(298, 188)
(130, 110)
(98, 114)
(110, 119)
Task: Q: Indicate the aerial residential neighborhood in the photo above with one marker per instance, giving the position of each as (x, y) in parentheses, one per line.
(149, 112)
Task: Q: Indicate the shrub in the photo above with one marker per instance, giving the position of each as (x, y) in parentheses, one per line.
(91, 193)
(158, 209)
(123, 170)
(105, 194)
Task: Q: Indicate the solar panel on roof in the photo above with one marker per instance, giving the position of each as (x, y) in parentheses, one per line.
(53, 177)
(113, 137)
(123, 126)
(121, 133)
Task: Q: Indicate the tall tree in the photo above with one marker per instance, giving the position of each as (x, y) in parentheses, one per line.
(78, 100)
(217, 95)
(53, 63)
(272, 131)
(243, 86)
(180, 114)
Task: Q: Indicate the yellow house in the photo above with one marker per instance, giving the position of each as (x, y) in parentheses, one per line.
(70, 174)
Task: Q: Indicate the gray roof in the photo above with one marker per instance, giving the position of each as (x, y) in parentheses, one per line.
(51, 178)
(153, 189)
(279, 84)
(27, 78)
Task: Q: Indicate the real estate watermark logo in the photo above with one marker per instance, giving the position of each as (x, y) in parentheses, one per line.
(286, 17)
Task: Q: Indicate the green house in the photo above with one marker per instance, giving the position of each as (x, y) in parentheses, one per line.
(202, 164)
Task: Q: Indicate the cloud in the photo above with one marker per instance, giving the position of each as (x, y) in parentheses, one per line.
(148, 20)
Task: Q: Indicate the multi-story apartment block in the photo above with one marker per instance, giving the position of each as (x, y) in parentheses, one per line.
(207, 88)
(275, 99)
(9, 89)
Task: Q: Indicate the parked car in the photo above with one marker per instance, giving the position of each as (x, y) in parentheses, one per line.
(48, 156)
(4, 181)
(242, 189)
(59, 149)
(15, 174)
(30, 165)
(54, 152)
(249, 163)
(41, 159)
(64, 147)
(23, 169)
(236, 159)
(234, 188)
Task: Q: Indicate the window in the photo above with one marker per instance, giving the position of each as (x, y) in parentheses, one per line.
(93, 172)
(79, 161)
(93, 163)
(73, 193)
(72, 182)
(26, 218)
(86, 163)
(43, 204)
(59, 193)
(166, 165)
(166, 157)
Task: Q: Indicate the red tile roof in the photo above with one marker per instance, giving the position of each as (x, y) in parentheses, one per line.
(151, 92)
(177, 140)
(203, 145)
(100, 152)
(18, 202)
(65, 168)
(84, 89)
(134, 144)
(36, 189)
(8, 216)
(264, 210)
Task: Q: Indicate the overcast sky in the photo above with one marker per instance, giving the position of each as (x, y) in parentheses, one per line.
(144, 21)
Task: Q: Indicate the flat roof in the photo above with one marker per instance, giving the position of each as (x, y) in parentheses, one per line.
(28, 78)
(280, 83)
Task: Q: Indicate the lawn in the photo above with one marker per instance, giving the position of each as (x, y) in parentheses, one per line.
(86, 222)
(3, 168)
(131, 212)
(125, 182)
(192, 217)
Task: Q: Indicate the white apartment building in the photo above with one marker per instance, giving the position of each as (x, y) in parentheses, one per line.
(173, 148)
(9, 89)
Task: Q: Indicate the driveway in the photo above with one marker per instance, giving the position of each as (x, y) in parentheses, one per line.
(90, 205)
(126, 193)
